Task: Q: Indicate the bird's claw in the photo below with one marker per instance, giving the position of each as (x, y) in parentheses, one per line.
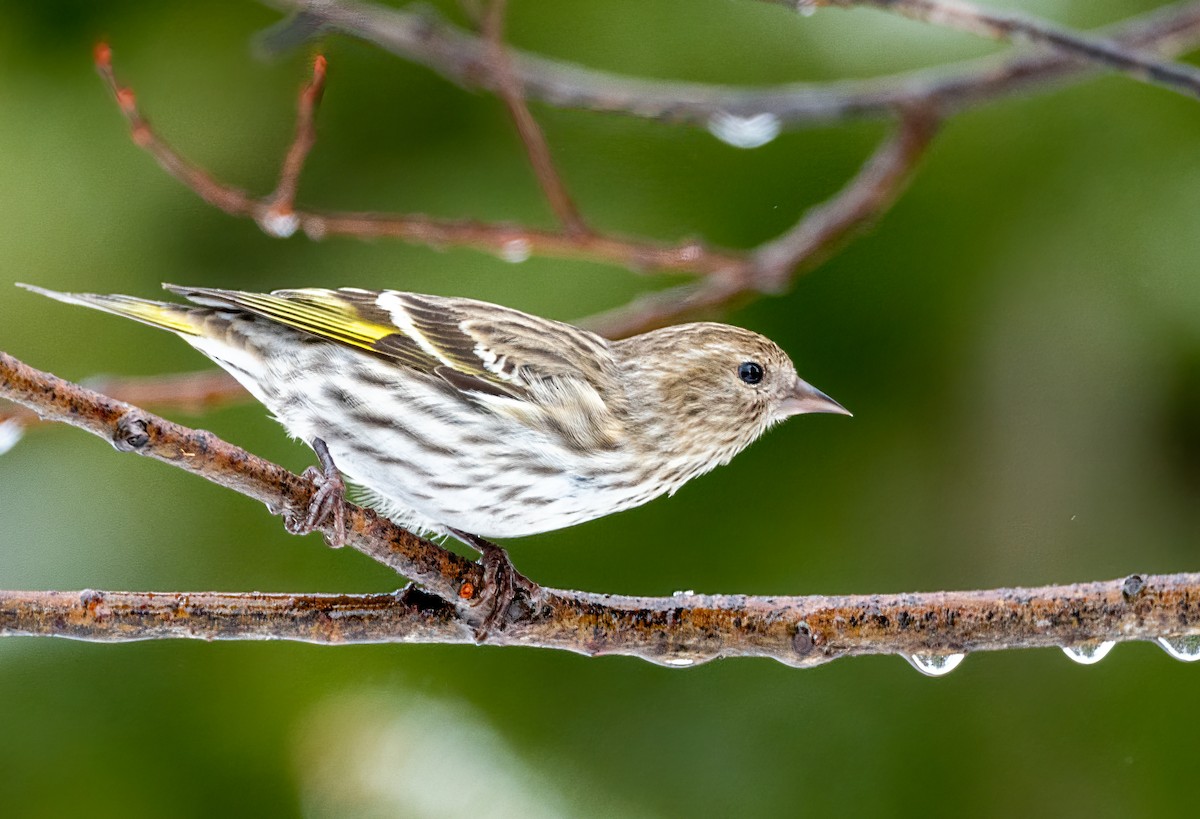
(502, 583)
(328, 501)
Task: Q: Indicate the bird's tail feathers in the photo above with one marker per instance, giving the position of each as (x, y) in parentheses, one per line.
(177, 318)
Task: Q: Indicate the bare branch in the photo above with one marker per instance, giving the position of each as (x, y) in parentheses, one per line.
(230, 200)
(531, 135)
(681, 630)
(507, 241)
(871, 192)
(461, 57)
(279, 215)
(1016, 27)
(115, 617)
(660, 308)
(775, 264)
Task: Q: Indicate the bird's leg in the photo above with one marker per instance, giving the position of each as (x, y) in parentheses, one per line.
(501, 582)
(327, 502)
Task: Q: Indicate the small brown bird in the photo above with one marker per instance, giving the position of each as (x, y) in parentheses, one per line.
(459, 416)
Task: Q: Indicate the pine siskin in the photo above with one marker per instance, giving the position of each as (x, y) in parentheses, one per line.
(459, 416)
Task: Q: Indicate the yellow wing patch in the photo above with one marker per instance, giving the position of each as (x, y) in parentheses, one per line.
(167, 316)
(320, 313)
(172, 317)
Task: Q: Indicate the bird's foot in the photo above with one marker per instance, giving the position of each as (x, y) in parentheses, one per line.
(502, 583)
(328, 501)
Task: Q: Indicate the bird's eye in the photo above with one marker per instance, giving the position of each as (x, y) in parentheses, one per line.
(750, 371)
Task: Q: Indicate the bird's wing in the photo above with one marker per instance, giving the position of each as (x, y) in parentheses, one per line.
(546, 372)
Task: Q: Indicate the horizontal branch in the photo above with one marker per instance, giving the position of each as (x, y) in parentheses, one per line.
(117, 617)
(683, 630)
(461, 56)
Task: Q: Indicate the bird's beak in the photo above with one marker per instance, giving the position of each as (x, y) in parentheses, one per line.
(807, 398)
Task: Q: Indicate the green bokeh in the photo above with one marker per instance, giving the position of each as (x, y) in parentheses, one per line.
(1019, 339)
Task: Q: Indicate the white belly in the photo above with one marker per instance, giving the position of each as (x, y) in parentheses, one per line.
(432, 467)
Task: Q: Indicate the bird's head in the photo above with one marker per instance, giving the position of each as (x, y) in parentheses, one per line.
(717, 387)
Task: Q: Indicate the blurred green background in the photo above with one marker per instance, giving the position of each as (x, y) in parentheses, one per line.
(1019, 340)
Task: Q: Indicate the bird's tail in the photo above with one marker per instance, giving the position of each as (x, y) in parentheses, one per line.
(177, 318)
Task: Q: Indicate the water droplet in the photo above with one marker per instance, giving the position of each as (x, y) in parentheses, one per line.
(744, 132)
(1089, 653)
(279, 224)
(10, 432)
(679, 662)
(687, 593)
(935, 665)
(516, 250)
(1182, 648)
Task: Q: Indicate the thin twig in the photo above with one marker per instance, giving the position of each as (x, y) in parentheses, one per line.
(772, 266)
(531, 134)
(461, 56)
(1017, 27)
(872, 191)
(510, 241)
(766, 269)
(776, 264)
(660, 308)
(279, 214)
(684, 629)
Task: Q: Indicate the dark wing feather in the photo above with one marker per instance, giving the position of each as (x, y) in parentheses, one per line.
(474, 346)
(543, 375)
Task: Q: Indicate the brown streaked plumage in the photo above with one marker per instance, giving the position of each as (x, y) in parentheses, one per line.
(459, 415)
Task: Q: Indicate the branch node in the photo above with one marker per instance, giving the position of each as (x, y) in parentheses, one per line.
(131, 433)
(278, 221)
(102, 55)
(1133, 586)
(804, 642)
(92, 601)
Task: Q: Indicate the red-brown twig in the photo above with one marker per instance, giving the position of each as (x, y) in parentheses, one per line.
(731, 274)
(501, 239)
(681, 630)
(531, 134)
(279, 216)
(660, 308)
(769, 268)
